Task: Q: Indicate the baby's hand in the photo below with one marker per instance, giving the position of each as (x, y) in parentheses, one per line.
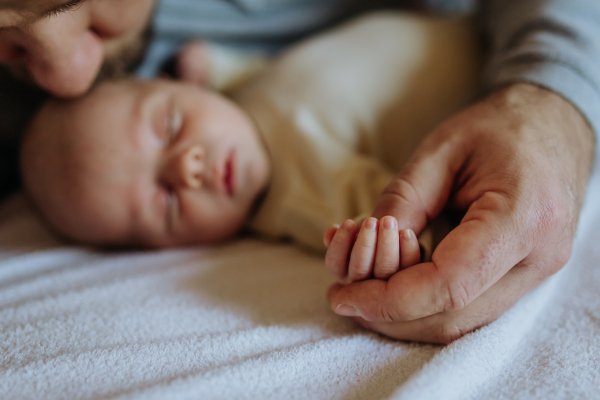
(377, 250)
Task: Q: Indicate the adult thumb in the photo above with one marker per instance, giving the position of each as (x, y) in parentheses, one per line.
(421, 189)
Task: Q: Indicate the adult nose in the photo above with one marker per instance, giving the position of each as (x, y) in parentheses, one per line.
(185, 169)
(61, 54)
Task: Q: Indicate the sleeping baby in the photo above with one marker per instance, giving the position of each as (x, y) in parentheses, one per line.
(310, 141)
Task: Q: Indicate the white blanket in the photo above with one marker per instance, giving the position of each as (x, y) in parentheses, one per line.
(250, 320)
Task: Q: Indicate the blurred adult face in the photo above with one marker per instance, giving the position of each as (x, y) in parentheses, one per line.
(63, 45)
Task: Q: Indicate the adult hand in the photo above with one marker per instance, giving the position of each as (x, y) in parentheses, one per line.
(518, 163)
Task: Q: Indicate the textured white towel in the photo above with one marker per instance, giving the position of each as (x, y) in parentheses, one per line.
(250, 321)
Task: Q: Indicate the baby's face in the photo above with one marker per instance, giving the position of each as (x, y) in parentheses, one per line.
(147, 163)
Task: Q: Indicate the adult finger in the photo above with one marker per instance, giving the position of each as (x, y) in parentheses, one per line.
(449, 326)
(477, 253)
(421, 189)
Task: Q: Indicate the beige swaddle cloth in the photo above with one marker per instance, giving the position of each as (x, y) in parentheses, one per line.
(341, 113)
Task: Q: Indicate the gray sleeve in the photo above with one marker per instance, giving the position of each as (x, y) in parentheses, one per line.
(551, 43)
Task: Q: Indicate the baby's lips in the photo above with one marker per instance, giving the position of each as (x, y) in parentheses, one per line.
(227, 178)
(230, 174)
(224, 176)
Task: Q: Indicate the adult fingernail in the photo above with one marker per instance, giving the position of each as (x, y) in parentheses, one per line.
(370, 224)
(390, 223)
(347, 226)
(346, 311)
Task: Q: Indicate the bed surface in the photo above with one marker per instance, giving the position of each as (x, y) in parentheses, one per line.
(250, 320)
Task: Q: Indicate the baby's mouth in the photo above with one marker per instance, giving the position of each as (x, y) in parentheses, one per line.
(229, 175)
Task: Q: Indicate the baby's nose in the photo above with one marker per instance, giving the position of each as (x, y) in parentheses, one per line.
(187, 168)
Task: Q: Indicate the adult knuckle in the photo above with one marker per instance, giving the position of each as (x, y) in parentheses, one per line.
(387, 316)
(402, 190)
(554, 229)
(551, 212)
(383, 314)
(459, 296)
(390, 307)
(453, 295)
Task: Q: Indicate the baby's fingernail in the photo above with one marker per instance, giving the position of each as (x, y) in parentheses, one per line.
(390, 223)
(348, 225)
(408, 234)
(370, 224)
(346, 311)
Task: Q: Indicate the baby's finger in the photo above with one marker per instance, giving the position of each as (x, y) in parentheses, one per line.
(410, 252)
(387, 257)
(363, 252)
(338, 253)
(329, 233)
